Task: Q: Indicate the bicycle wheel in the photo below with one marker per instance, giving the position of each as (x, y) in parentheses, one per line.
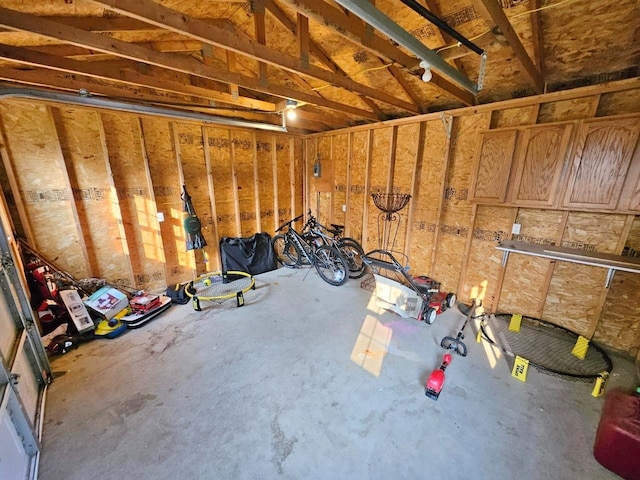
(286, 251)
(330, 265)
(352, 252)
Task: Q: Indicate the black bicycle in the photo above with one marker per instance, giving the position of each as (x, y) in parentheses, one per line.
(348, 247)
(292, 249)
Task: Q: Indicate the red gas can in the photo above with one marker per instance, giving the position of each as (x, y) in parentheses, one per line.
(617, 445)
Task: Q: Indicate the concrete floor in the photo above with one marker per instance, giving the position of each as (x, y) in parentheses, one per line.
(309, 381)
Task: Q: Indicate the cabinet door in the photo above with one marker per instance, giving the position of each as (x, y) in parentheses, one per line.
(602, 153)
(539, 165)
(492, 166)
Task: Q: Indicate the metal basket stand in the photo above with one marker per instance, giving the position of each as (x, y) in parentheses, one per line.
(389, 205)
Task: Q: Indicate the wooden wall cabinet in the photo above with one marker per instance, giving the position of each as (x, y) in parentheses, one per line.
(603, 150)
(492, 167)
(539, 165)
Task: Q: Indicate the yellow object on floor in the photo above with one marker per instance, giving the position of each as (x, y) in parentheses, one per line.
(520, 368)
(601, 382)
(516, 321)
(581, 347)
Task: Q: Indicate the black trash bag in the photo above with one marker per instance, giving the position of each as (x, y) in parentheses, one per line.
(253, 255)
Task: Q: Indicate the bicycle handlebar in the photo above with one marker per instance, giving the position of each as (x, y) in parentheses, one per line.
(288, 224)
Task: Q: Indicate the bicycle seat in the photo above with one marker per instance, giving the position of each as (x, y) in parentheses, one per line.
(337, 229)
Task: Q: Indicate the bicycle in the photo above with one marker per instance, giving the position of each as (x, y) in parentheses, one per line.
(291, 248)
(348, 247)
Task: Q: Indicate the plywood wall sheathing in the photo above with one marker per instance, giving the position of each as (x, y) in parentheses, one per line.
(618, 103)
(139, 214)
(15, 207)
(590, 232)
(357, 190)
(244, 150)
(524, 277)
(514, 117)
(80, 137)
(378, 178)
(456, 219)
(166, 181)
(33, 149)
(427, 204)
(219, 145)
(283, 160)
(340, 155)
(404, 166)
(619, 323)
(298, 167)
(264, 155)
(563, 110)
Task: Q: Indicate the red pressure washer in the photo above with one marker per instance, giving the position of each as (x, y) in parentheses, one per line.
(435, 383)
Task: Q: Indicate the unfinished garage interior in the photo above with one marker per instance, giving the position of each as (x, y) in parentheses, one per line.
(509, 129)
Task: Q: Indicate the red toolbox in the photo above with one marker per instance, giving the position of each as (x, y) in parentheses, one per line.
(617, 445)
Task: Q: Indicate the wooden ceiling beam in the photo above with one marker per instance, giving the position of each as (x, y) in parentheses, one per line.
(302, 32)
(397, 74)
(317, 52)
(110, 71)
(180, 23)
(492, 13)
(536, 36)
(353, 29)
(29, 23)
(261, 33)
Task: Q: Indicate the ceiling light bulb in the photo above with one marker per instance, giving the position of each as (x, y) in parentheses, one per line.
(291, 114)
(426, 76)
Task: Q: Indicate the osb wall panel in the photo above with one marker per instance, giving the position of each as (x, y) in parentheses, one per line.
(619, 324)
(194, 169)
(264, 156)
(379, 176)
(283, 161)
(424, 222)
(357, 187)
(298, 175)
(219, 145)
(244, 150)
(340, 155)
(492, 226)
(310, 154)
(567, 110)
(97, 205)
(524, 276)
(403, 173)
(36, 159)
(456, 221)
(139, 215)
(514, 117)
(324, 183)
(592, 232)
(618, 103)
(165, 178)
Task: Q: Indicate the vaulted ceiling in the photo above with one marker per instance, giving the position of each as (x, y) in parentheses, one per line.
(245, 59)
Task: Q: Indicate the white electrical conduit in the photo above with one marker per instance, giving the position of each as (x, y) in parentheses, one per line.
(95, 102)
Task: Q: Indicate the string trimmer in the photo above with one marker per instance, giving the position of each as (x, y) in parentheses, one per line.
(435, 383)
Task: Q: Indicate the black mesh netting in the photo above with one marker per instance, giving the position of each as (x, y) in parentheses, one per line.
(546, 346)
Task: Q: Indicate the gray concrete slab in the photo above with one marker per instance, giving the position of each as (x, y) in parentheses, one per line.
(309, 381)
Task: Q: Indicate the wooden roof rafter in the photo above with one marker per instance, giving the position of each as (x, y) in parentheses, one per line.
(494, 16)
(316, 51)
(173, 20)
(107, 70)
(33, 24)
(536, 36)
(353, 29)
